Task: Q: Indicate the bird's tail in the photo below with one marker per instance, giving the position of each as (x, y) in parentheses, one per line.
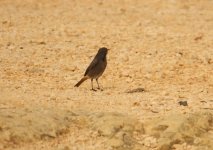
(81, 81)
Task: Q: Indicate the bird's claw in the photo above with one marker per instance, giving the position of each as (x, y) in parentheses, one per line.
(100, 89)
(93, 89)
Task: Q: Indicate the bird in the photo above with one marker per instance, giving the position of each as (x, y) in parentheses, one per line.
(96, 68)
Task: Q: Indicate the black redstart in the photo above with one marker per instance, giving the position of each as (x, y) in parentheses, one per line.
(96, 68)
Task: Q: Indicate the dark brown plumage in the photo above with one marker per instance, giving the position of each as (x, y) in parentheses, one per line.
(96, 68)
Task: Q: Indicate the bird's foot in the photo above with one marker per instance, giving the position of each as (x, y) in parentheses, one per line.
(93, 89)
(100, 89)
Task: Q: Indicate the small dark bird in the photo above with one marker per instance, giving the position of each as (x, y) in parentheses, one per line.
(96, 68)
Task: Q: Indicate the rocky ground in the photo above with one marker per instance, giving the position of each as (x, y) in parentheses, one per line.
(161, 53)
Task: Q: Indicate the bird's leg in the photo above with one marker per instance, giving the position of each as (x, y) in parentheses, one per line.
(98, 84)
(92, 85)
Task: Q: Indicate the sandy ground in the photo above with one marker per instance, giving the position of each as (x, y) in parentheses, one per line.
(162, 46)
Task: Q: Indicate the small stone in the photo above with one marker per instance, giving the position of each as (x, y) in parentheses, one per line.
(42, 43)
(136, 104)
(198, 38)
(137, 90)
(4, 22)
(183, 103)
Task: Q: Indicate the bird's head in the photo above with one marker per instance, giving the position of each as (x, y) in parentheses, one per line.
(103, 50)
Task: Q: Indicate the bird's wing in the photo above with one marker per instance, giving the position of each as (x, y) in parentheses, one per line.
(91, 66)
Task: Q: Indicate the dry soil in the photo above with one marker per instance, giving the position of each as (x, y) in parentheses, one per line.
(161, 52)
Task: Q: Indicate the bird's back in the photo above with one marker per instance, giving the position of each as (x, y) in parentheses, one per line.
(96, 67)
